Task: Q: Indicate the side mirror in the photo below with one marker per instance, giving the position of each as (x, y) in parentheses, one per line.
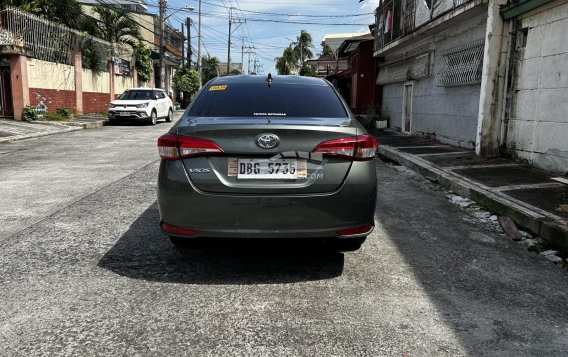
(156, 96)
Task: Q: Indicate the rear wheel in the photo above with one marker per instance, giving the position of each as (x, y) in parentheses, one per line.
(170, 115)
(153, 118)
(348, 244)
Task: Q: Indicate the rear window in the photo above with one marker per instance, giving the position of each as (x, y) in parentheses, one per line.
(260, 100)
(136, 95)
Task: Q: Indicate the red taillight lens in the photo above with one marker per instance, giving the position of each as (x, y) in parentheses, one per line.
(360, 148)
(168, 228)
(366, 229)
(172, 147)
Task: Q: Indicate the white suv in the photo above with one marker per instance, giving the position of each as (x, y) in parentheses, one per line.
(147, 104)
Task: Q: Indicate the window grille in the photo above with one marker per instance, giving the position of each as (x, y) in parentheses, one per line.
(411, 68)
(461, 66)
(45, 40)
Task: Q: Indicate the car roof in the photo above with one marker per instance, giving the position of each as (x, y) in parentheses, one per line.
(264, 78)
(146, 89)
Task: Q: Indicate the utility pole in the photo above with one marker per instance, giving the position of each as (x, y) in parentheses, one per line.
(199, 47)
(182, 49)
(189, 51)
(248, 50)
(161, 60)
(243, 56)
(239, 22)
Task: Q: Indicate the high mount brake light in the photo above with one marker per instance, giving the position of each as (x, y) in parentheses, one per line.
(359, 148)
(173, 147)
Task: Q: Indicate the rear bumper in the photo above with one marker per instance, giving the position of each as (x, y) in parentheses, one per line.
(267, 216)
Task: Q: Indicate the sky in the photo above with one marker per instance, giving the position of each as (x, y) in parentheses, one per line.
(269, 38)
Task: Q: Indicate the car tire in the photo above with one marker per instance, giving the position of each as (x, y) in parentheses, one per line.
(170, 116)
(348, 244)
(153, 118)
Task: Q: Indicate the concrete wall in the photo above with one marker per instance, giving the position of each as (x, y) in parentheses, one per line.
(538, 125)
(447, 113)
(49, 75)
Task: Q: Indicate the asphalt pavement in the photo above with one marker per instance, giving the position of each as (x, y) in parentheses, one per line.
(85, 271)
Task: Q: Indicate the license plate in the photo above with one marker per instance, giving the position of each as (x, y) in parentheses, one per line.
(289, 169)
(124, 114)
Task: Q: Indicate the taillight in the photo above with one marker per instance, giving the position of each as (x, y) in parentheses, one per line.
(173, 147)
(360, 148)
(356, 231)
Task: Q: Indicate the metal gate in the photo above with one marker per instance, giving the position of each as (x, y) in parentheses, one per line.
(6, 104)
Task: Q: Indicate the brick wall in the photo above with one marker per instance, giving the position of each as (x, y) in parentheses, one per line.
(95, 102)
(53, 99)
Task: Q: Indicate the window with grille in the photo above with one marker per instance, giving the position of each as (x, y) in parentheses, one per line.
(417, 67)
(461, 66)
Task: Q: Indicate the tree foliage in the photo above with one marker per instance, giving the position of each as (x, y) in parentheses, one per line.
(186, 80)
(209, 68)
(303, 47)
(326, 49)
(143, 62)
(116, 26)
(287, 63)
(65, 12)
(308, 71)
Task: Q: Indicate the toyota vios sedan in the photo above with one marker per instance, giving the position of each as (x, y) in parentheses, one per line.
(263, 157)
(141, 104)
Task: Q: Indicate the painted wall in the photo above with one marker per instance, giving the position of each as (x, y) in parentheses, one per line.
(538, 125)
(447, 113)
(49, 75)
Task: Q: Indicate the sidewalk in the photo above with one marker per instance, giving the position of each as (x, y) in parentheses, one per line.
(11, 130)
(535, 200)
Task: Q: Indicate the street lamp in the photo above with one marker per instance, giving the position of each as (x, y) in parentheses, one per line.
(163, 19)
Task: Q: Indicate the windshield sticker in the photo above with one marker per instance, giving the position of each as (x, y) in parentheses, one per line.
(270, 114)
(223, 87)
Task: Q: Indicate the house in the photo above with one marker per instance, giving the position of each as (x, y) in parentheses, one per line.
(327, 65)
(451, 70)
(361, 73)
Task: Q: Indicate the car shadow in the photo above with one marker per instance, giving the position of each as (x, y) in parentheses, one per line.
(144, 252)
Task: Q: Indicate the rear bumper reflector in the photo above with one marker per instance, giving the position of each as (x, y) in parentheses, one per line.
(168, 228)
(356, 231)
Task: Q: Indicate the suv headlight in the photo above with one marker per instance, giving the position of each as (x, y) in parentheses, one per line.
(143, 105)
(110, 106)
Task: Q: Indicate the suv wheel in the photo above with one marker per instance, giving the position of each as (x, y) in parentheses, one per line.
(170, 115)
(153, 117)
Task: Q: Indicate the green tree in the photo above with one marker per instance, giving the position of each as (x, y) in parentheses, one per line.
(187, 81)
(287, 62)
(66, 12)
(308, 71)
(116, 26)
(234, 72)
(143, 62)
(303, 47)
(326, 49)
(209, 68)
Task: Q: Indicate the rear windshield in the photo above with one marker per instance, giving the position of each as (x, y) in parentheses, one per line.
(136, 95)
(260, 100)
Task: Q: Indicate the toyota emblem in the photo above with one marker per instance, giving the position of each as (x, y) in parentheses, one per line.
(267, 141)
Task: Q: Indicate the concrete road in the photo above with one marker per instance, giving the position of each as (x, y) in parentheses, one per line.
(85, 271)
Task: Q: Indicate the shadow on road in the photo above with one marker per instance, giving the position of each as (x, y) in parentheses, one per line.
(144, 252)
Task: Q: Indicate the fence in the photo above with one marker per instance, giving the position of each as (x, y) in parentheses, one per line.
(397, 18)
(43, 39)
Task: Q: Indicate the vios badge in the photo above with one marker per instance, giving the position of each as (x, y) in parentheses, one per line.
(267, 141)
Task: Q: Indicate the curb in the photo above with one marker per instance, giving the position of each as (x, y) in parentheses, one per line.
(65, 128)
(530, 218)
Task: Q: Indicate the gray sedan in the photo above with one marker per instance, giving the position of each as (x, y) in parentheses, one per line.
(264, 157)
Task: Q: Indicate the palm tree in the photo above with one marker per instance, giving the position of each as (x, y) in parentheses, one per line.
(287, 63)
(303, 46)
(209, 68)
(117, 27)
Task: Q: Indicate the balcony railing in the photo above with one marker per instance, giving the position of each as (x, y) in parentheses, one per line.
(397, 18)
